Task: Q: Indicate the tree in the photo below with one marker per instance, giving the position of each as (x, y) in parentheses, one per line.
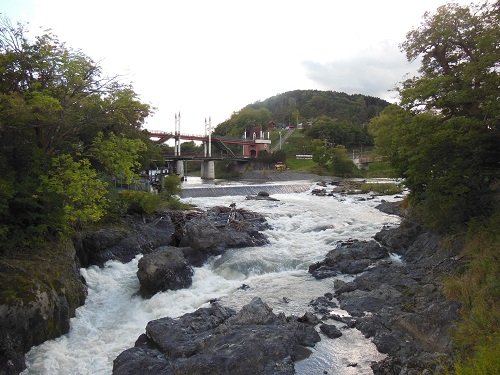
(339, 132)
(444, 140)
(244, 120)
(333, 158)
(459, 73)
(54, 103)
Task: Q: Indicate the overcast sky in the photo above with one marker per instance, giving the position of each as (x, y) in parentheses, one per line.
(212, 57)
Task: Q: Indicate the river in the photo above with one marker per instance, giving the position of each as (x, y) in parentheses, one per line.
(304, 228)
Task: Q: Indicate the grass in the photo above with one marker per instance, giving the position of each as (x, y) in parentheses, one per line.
(382, 188)
(300, 165)
(477, 288)
(380, 169)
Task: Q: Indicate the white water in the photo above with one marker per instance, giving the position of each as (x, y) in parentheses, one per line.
(304, 229)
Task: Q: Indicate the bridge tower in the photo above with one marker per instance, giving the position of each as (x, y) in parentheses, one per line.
(208, 166)
(177, 145)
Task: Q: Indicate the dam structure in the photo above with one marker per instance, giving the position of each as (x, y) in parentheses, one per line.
(211, 190)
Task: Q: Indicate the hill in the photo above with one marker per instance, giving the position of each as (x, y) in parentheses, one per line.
(306, 107)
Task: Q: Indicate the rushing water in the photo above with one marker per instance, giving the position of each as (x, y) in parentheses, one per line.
(304, 229)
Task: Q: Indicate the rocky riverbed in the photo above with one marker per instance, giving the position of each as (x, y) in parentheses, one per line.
(217, 340)
(396, 298)
(393, 296)
(41, 290)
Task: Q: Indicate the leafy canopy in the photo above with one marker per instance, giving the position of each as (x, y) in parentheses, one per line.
(63, 126)
(119, 156)
(75, 189)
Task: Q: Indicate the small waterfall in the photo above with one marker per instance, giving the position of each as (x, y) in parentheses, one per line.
(219, 191)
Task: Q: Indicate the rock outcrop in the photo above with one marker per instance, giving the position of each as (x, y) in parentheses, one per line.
(212, 232)
(42, 288)
(122, 242)
(40, 291)
(351, 257)
(217, 340)
(399, 304)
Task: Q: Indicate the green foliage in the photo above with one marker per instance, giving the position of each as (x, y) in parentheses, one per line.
(485, 361)
(56, 111)
(119, 156)
(380, 169)
(6, 194)
(339, 132)
(459, 71)
(191, 148)
(141, 202)
(297, 144)
(271, 158)
(244, 120)
(171, 185)
(304, 165)
(73, 186)
(381, 188)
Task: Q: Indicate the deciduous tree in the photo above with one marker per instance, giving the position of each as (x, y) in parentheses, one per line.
(444, 140)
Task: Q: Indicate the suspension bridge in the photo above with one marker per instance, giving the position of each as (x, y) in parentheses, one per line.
(251, 144)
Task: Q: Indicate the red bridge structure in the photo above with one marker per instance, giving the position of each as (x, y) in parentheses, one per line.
(252, 144)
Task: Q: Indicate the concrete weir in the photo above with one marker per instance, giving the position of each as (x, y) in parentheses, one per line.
(219, 191)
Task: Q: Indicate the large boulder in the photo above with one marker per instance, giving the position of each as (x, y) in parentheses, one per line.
(350, 257)
(212, 232)
(163, 269)
(217, 340)
(401, 237)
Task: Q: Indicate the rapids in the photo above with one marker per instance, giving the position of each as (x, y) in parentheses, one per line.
(304, 228)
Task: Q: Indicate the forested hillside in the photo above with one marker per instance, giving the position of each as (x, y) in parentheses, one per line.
(336, 116)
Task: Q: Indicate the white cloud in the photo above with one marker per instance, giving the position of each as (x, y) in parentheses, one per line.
(374, 72)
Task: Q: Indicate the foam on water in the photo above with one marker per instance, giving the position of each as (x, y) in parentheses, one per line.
(303, 229)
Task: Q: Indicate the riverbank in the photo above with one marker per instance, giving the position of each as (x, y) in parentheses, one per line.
(41, 289)
(398, 301)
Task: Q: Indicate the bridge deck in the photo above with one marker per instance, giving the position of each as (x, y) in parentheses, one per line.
(165, 136)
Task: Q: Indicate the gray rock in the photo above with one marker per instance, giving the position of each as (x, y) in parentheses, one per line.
(399, 306)
(217, 340)
(391, 208)
(40, 292)
(351, 257)
(134, 236)
(142, 361)
(163, 269)
(211, 233)
(330, 331)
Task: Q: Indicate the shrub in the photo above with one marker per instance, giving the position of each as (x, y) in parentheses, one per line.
(141, 202)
